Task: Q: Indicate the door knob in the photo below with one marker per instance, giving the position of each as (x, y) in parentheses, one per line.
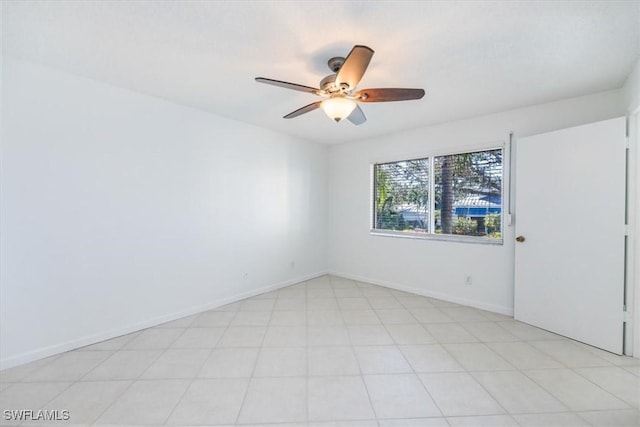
(520, 239)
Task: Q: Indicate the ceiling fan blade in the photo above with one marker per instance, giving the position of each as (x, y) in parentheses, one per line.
(387, 95)
(357, 116)
(287, 85)
(354, 66)
(303, 110)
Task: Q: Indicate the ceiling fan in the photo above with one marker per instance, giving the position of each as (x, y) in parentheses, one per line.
(339, 89)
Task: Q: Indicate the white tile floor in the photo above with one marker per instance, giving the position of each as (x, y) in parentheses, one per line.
(334, 352)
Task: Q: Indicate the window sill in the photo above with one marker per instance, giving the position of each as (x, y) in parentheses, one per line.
(438, 237)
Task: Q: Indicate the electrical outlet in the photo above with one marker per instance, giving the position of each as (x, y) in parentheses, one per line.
(468, 280)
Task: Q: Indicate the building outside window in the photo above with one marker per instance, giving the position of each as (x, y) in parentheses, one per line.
(452, 195)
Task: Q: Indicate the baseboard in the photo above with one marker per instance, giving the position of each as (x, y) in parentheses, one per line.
(507, 311)
(41, 353)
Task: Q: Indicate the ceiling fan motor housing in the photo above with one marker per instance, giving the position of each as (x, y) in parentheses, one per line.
(341, 96)
(328, 84)
(335, 63)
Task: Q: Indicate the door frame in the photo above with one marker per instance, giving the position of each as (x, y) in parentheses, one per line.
(632, 294)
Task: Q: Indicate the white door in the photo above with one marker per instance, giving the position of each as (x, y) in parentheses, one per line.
(570, 211)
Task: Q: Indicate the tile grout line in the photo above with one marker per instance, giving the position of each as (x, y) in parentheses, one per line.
(255, 362)
(415, 374)
(569, 409)
(574, 370)
(361, 376)
(131, 381)
(162, 351)
(196, 376)
(306, 351)
(165, 350)
(469, 373)
(71, 383)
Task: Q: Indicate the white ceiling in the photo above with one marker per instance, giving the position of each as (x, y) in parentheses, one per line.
(472, 58)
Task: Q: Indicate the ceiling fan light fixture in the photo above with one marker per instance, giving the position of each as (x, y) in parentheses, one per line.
(339, 89)
(338, 108)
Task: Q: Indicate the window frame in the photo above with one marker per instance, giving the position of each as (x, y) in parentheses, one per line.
(430, 235)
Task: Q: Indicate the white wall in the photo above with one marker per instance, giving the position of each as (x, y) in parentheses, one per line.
(121, 210)
(631, 89)
(429, 267)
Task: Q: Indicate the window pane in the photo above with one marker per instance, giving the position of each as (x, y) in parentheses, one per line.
(402, 196)
(468, 194)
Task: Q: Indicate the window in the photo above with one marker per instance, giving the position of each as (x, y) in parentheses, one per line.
(453, 195)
